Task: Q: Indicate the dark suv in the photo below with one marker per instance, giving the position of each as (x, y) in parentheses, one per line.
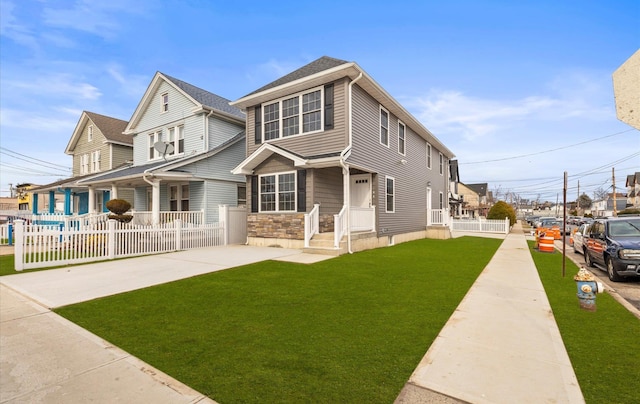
(614, 245)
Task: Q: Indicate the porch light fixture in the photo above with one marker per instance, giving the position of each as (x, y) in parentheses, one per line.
(428, 183)
(403, 161)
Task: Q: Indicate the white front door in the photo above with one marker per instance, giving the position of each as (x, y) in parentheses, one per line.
(361, 191)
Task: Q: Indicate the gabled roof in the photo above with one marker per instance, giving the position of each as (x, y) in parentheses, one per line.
(480, 189)
(633, 179)
(317, 66)
(203, 100)
(267, 150)
(325, 70)
(111, 128)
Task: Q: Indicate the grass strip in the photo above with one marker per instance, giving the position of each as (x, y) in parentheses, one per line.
(602, 345)
(350, 330)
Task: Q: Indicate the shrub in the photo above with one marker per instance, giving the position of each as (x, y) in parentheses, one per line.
(118, 206)
(501, 210)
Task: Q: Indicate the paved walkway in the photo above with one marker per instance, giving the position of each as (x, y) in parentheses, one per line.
(46, 359)
(501, 345)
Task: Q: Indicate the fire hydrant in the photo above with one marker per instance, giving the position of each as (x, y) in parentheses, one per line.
(587, 289)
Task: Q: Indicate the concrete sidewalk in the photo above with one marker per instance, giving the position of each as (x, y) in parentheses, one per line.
(501, 345)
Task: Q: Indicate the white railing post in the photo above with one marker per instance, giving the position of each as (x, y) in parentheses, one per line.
(178, 223)
(506, 225)
(111, 252)
(18, 251)
(311, 224)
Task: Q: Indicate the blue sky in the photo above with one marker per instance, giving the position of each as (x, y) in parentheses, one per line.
(520, 91)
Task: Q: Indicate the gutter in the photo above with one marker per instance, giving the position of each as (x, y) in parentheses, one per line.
(345, 166)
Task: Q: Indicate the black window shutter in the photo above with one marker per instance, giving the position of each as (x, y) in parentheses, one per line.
(328, 107)
(302, 190)
(254, 193)
(258, 119)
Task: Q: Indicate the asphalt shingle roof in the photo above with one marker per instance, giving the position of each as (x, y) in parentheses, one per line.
(317, 66)
(207, 98)
(111, 128)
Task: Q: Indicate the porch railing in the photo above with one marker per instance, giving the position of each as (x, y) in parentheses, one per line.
(363, 219)
(311, 224)
(438, 217)
(145, 218)
(340, 226)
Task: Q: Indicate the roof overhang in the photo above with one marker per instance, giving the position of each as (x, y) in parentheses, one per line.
(263, 153)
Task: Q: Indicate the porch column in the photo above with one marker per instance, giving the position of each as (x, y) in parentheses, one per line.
(114, 191)
(67, 202)
(34, 203)
(92, 201)
(155, 202)
(52, 202)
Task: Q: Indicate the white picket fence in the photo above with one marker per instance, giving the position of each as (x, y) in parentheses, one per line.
(4, 234)
(38, 246)
(481, 225)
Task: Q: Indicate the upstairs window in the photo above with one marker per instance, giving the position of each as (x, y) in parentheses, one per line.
(299, 114)
(441, 164)
(384, 127)
(153, 138)
(90, 133)
(165, 102)
(428, 156)
(401, 138)
(176, 139)
(95, 161)
(84, 164)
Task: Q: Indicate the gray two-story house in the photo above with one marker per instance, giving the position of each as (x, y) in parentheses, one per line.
(331, 155)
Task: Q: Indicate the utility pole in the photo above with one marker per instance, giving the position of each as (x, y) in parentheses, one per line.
(578, 200)
(613, 181)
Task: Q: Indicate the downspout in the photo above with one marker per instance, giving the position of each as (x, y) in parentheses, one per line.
(206, 130)
(345, 166)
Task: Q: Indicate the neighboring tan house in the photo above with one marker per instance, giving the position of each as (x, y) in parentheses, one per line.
(633, 190)
(482, 189)
(471, 202)
(96, 145)
(327, 145)
(186, 140)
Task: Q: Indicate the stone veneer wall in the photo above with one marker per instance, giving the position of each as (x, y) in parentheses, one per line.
(281, 226)
(326, 223)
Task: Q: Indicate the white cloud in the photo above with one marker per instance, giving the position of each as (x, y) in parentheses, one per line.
(11, 27)
(39, 124)
(132, 85)
(59, 85)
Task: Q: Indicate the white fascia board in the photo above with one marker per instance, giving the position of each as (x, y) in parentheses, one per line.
(264, 152)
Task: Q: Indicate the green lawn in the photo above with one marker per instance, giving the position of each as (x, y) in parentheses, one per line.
(602, 345)
(346, 330)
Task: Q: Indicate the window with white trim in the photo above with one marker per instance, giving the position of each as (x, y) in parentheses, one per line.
(153, 138)
(90, 133)
(95, 161)
(84, 164)
(390, 194)
(278, 192)
(401, 138)
(179, 198)
(441, 164)
(176, 139)
(298, 114)
(428, 156)
(165, 102)
(441, 200)
(384, 126)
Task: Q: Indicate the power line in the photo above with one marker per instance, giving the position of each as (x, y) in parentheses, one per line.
(6, 151)
(547, 151)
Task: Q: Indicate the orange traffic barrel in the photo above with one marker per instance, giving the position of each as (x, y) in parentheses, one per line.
(556, 233)
(546, 244)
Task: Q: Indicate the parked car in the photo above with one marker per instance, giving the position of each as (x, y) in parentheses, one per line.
(586, 220)
(578, 238)
(531, 219)
(573, 220)
(550, 223)
(613, 245)
(539, 221)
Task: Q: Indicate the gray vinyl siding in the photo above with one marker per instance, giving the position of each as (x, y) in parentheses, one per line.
(221, 130)
(120, 154)
(410, 178)
(196, 195)
(330, 141)
(220, 165)
(327, 189)
(127, 195)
